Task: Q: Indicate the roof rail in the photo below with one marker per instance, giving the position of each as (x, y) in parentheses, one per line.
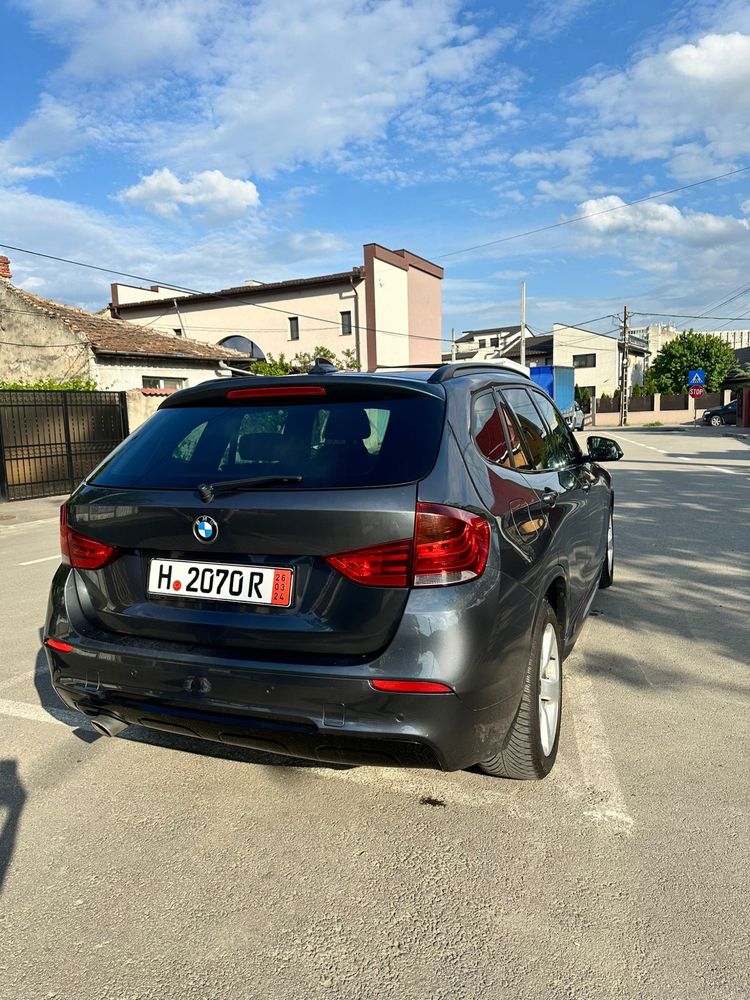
(446, 372)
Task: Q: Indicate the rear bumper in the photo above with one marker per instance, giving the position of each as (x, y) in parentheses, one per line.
(327, 718)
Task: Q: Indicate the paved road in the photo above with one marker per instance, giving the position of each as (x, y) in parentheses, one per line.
(163, 869)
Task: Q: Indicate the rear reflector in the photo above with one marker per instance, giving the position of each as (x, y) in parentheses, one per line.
(412, 687)
(61, 647)
(450, 545)
(276, 392)
(79, 551)
(378, 566)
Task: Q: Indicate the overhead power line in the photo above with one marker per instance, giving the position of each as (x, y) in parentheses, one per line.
(590, 215)
(237, 299)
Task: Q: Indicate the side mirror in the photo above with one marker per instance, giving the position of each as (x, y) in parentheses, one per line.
(602, 449)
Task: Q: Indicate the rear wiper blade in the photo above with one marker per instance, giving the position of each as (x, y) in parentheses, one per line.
(210, 490)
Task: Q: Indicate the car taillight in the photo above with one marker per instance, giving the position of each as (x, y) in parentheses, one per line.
(412, 687)
(377, 566)
(450, 545)
(79, 551)
(59, 645)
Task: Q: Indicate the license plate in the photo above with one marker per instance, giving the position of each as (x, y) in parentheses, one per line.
(221, 582)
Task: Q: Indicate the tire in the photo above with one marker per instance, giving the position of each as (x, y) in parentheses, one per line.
(716, 420)
(607, 576)
(530, 748)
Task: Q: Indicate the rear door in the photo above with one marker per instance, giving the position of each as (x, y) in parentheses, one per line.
(561, 483)
(330, 472)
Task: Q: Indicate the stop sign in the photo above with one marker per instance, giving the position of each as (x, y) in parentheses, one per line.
(696, 391)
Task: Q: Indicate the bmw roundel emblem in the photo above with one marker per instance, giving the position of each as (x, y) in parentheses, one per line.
(205, 529)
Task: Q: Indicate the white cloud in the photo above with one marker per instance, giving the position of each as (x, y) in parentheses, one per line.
(250, 89)
(107, 39)
(52, 132)
(157, 252)
(554, 16)
(212, 195)
(697, 93)
(655, 219)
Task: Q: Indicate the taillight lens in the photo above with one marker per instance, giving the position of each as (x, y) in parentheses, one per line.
(450, 545)
(79, 551)
(59, 645)
(377, 566)
(412, 687)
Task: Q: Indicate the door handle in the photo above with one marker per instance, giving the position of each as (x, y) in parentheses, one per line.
(549, 498)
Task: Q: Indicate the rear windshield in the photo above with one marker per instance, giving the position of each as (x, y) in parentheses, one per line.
(370, 442)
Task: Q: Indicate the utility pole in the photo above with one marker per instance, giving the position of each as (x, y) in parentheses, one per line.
(624, 363)
(523, 322)
(453, 343)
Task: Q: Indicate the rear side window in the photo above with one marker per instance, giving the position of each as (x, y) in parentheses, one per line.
(330, 444)
(487, 430)
(547, 447)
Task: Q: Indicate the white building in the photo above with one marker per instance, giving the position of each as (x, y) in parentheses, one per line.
(595, 357)
(659, 334)
(387, 311)
(470, 342)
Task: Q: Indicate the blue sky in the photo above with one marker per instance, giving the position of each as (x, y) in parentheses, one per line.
(204, 142)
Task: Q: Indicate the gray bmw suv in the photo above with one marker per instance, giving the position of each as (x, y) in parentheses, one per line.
(381, 568)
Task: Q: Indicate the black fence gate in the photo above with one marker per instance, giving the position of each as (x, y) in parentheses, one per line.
(50, 440)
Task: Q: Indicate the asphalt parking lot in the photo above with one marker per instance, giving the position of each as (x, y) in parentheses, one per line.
(155, 867)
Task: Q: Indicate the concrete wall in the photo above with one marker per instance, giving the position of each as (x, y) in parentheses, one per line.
(391, 294)
(264, 319)
(637, 418)
(121, 374)
(425, 317)
(141, 407)
(121, 294)
(36, 345)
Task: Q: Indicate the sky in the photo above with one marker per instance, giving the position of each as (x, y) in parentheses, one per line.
(206, 142)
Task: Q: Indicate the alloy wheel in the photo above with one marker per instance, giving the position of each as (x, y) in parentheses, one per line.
(549, 688)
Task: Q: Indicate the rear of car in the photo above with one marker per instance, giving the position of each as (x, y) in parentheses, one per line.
(294, 565)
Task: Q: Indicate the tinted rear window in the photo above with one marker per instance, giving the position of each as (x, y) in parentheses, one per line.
(370, 442)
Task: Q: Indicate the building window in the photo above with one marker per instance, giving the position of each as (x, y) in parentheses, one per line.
(162, 382)
(482, 342)
(177, 331)
(584, 361)
(242, 344)
(494, 341)
(346, 324)
(293, 328)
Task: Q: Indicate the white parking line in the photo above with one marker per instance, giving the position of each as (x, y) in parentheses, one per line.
(33, 562)
(35, 713)
(608, 807)
(682, 458)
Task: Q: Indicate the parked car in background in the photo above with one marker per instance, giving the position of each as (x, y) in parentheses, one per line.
(382, 568)
(577, 418)
(718, 415)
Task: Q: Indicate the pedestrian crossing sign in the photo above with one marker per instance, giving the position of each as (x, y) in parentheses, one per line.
(696, 376)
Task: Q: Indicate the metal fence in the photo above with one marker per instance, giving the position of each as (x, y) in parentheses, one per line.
(49, 441)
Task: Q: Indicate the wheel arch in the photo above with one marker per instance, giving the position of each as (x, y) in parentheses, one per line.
(557, 595)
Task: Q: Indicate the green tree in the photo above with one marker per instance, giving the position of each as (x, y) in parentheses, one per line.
(669, 371)
(303, 361)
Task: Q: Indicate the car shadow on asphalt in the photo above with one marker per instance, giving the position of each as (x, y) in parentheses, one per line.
(12, 800)
(81, 729)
